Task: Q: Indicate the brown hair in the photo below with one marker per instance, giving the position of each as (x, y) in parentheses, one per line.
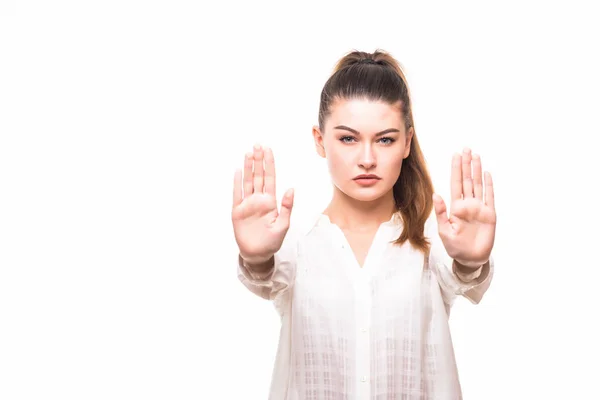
(379, 77)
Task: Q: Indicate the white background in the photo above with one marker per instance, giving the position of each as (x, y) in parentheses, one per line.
(121, 125)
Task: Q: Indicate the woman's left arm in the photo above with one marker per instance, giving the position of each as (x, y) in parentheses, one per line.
(468, 231)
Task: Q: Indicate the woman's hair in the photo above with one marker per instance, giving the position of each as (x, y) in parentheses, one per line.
(379, 77)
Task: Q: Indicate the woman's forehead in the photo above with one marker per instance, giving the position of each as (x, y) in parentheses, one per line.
(368, 114)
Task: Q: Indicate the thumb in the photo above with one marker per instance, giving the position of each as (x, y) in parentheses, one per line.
(440, 213)
(287, 202)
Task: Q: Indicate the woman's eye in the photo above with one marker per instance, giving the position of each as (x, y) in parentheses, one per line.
(384, 140)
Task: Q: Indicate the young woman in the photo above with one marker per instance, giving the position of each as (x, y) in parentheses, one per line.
(365, 291)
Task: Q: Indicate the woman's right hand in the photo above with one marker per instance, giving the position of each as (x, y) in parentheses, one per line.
(258, 226)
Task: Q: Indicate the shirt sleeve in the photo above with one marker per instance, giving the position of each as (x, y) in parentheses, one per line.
(454, 283)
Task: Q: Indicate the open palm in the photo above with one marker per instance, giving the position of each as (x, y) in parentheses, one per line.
(468, 232)
(259, 227)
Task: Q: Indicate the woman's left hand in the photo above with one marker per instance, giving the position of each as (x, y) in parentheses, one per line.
(468, 233)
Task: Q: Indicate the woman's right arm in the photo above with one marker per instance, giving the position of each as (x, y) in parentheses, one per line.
(266, 260)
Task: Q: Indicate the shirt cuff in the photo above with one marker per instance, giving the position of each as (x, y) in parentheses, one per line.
(475, 284)
(471, 285)
(258, 278)
(470, 277)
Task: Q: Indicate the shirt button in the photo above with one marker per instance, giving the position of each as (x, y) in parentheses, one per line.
(363, 379)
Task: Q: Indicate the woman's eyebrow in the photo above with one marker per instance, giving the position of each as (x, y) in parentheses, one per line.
(345, 128)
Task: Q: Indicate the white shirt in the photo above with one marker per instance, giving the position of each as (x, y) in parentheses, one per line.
(374, 332)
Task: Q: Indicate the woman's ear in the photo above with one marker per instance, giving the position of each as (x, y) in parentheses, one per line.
(409, 135)
(318, 137)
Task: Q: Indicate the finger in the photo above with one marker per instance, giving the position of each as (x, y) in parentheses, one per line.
(269, 172)
(441, 214)
(466, 174)
(287, 202)
(456, 178)
(477, 182)
(237, 188)
(258, 169)
(248, 174)
(489, 190)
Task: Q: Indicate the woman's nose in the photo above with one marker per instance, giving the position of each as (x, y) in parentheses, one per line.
(367, 157)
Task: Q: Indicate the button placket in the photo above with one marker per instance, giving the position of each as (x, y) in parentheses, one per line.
(363, 318)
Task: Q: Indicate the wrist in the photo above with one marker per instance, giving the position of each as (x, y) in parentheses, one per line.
(259, 264)
(469, 265)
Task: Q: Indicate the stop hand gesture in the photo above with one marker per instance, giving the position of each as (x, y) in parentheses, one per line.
(468, 233)
(258, 226)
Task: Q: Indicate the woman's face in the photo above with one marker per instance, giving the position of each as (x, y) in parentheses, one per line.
(363, 137)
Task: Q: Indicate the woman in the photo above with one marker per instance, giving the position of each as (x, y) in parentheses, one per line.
(365, 291)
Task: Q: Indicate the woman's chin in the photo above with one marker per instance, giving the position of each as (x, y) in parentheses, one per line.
(365, 194)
